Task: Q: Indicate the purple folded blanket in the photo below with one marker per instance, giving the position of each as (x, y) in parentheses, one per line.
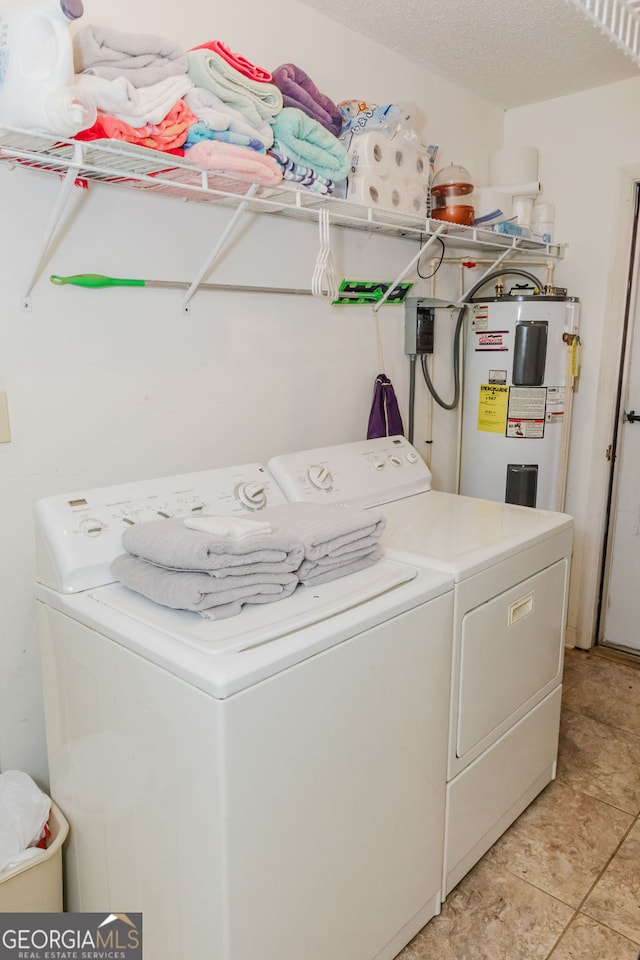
(298, 90)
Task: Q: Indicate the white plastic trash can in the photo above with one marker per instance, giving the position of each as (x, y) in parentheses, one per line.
(35, 886)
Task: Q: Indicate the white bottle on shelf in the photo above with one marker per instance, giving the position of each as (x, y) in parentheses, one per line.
(36, 68)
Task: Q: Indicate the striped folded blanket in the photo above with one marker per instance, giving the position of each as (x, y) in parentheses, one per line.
(305, 176)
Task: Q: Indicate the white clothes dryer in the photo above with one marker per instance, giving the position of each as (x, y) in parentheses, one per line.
(510, 566)
(271, 785)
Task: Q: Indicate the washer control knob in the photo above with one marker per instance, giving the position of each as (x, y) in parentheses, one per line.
(395, 461)
(320, 477)
(412, 456)
(378, 464)
(91, 527)
(251, 495)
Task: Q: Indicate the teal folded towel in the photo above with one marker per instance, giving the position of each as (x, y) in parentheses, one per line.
(305, 141)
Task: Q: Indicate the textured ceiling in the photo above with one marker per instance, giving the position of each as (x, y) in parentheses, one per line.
(510, 52)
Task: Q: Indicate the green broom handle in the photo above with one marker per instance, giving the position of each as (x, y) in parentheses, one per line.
(95, 281)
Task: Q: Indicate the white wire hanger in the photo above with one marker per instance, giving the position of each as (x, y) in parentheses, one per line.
(324, 282)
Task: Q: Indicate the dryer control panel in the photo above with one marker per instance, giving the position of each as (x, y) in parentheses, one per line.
(367, 472)
(79, 534)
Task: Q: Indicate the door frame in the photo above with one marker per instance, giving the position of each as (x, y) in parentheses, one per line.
(627, 316)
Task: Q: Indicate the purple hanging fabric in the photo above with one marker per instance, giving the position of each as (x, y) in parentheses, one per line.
(384, 419)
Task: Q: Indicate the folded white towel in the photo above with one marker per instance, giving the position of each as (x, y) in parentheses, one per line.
(235, 528)
(136, 106)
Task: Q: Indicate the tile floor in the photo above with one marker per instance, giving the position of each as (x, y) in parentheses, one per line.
(564, 881)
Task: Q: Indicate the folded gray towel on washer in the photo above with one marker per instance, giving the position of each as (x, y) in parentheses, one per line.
(311, 573)
(170, 544)
(326, 529)
(338, 538)
(211, 597)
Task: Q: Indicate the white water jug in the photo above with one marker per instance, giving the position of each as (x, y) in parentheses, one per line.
(36, 68)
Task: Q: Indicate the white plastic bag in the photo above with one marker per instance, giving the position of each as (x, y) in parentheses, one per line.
(24, 811)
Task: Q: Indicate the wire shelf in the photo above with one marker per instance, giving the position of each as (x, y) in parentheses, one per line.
(125, 165)
(619, 20)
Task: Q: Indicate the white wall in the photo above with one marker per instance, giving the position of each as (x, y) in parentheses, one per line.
(107, 386)
(588, 143)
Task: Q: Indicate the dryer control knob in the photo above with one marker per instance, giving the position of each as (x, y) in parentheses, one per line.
(91, 527)
(251, 495)
(320, 477)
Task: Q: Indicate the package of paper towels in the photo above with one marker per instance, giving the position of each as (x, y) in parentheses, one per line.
(390, 173)
(397, 156)
(371, 151)
(371, 190)
(415, 203)
(410, 162)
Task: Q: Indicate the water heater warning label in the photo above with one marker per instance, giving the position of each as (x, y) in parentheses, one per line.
(527, 403)
(529, 429)
(526, 412)
(492, 407)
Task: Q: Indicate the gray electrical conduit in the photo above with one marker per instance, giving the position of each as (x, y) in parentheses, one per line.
(456, 337)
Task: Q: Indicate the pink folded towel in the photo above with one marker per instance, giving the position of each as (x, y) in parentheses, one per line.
(167, 135)
(237, 61)
(241, 163)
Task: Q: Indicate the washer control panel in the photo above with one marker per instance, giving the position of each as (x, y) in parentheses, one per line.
(367, 472)
(79, 534)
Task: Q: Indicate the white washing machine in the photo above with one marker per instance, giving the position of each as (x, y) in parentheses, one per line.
(511, 570)
(271, 785)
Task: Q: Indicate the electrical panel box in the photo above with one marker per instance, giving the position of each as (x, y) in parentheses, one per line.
(419, 324)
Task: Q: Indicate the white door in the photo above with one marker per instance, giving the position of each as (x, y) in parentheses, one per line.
(621, 608)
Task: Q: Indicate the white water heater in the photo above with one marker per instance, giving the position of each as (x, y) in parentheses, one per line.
(519, 364)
